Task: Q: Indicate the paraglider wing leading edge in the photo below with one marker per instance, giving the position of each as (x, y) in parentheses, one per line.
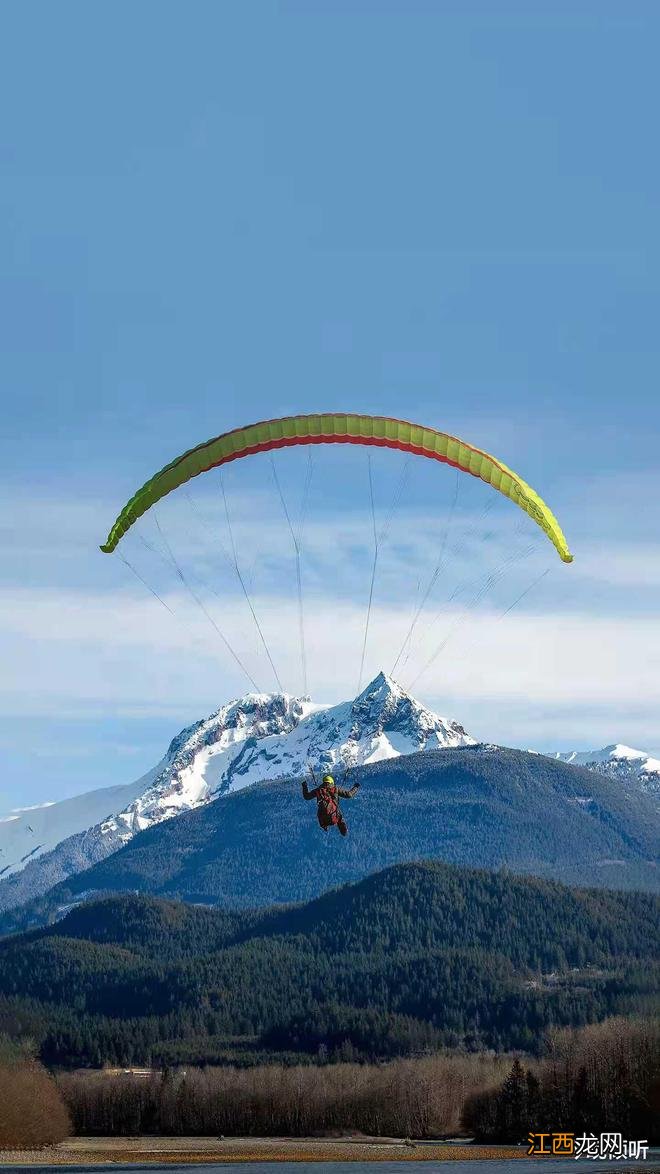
(338, 428)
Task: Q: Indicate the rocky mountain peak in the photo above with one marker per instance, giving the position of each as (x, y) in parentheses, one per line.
(254, 738)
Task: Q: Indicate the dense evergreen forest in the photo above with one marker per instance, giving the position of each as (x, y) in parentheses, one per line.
(414, 959)
(479, 806)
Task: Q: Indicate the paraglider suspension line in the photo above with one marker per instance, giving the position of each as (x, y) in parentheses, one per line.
(407, 641)
(373, 575)
(144, 581)
(200, 604)
(244, 588)
(296, 547)
(487, 585)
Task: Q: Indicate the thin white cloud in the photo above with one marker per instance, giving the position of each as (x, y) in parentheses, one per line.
(583, 671)
(67, 649)
(635, 565)
(51, 539)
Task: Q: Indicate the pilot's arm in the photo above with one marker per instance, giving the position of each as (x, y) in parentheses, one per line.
(307, 793)
(348, 794)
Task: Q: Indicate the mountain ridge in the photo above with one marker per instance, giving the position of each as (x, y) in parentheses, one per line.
(478, 806)
(489, 959)
(629, 766)
(250, 739)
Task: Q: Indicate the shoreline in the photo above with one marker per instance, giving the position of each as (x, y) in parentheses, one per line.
(79, 1151)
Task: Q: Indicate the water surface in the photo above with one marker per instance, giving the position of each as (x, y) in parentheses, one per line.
(475, 1166)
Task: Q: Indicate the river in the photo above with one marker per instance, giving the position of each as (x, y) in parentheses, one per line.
(476, 1166)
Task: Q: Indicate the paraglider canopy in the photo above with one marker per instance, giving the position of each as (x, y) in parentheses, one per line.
(339, 428)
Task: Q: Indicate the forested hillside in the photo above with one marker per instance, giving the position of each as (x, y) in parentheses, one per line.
(415, 958)
(477, 806)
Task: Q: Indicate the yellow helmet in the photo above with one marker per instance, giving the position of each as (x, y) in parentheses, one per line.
(328, 781)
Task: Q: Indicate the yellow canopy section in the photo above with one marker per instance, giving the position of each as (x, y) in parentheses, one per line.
(337, 428)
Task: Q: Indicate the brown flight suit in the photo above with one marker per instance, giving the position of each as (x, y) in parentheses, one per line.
(327, 808)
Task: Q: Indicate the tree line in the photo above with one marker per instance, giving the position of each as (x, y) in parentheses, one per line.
(603, 1078)
(594, 1079)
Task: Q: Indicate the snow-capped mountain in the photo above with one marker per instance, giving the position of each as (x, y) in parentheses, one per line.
(253, 739)
(621, 762)
(272, 736)
(27, 833)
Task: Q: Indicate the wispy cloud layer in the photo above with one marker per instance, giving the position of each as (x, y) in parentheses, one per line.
(67, 652)
(576, 663)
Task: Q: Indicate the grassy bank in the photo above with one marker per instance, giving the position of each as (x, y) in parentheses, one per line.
(166, 1150)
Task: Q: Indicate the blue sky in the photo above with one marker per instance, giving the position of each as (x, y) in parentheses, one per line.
(215, 213)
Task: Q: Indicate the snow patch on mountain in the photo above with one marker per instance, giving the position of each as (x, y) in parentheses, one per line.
(256, 738)
(30, 832)
(265, 736)
(630, 766)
